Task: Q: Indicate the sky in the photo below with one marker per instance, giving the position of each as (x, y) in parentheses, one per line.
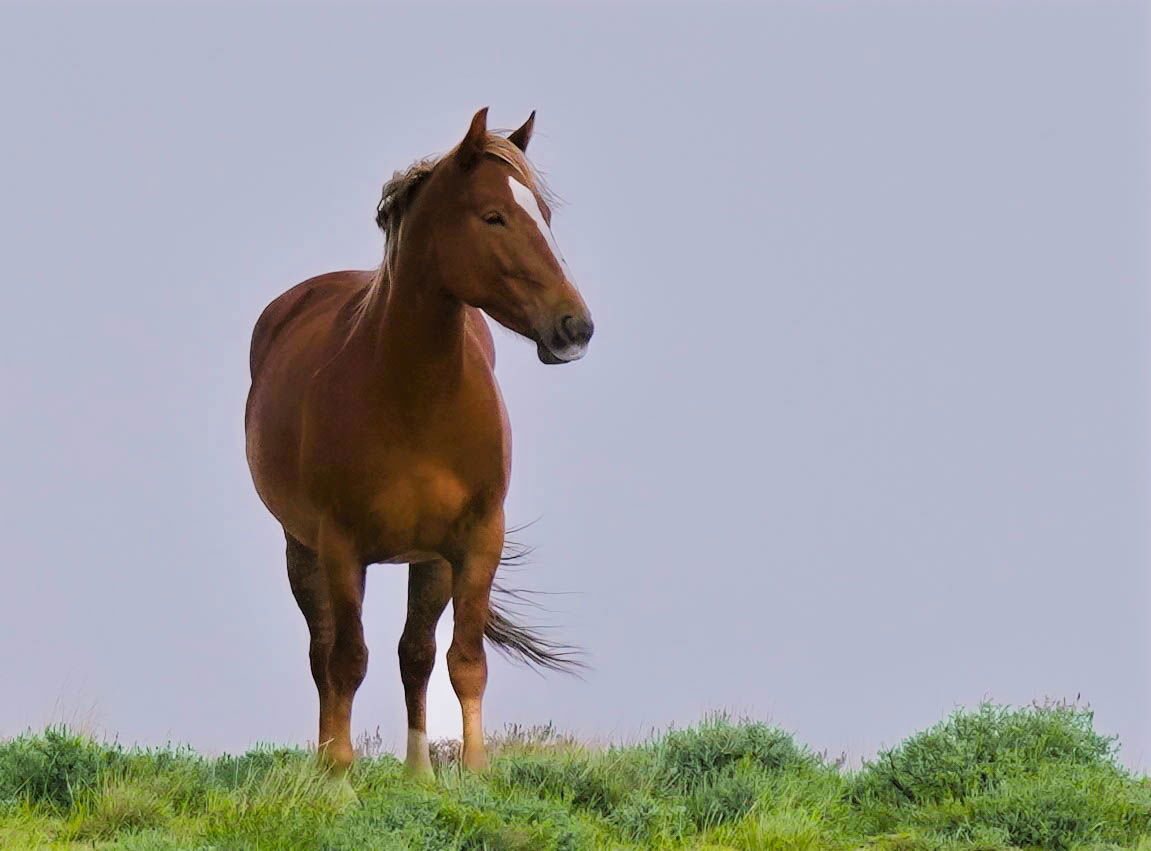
(863, 435)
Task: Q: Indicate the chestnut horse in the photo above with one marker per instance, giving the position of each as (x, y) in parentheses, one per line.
(376, 432)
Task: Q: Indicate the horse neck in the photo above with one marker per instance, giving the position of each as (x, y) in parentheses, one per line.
(413, 326)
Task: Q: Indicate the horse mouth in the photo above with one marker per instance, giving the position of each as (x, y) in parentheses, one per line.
(566, 355)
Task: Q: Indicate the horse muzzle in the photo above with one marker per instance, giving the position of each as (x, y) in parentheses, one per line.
(566, 341)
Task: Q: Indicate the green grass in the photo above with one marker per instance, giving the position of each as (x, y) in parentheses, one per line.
(992, 778)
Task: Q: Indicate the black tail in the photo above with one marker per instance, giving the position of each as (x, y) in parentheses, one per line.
(519, 642)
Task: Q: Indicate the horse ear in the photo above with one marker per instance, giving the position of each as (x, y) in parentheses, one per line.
(475, 140)
(521, 137)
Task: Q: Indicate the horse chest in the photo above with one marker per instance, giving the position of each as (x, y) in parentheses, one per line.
(420, 511)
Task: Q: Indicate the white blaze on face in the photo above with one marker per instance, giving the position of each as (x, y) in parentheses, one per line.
(527, 199)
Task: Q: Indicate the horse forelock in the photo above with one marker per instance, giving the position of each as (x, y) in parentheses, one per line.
(525, 172)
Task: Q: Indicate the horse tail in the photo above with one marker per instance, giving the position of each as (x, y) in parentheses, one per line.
(521, 642)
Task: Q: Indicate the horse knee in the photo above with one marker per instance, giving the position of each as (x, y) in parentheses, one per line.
(319, 652)
(348, 664)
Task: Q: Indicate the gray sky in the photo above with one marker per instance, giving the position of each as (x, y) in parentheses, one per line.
(863, 434)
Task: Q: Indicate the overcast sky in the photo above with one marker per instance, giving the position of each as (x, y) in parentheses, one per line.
(863, 434)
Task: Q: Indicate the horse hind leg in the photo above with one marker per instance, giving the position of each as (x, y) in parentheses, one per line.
(429, 589)
(467, 660)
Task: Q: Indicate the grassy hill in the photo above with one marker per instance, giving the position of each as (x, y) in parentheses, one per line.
(993, 778)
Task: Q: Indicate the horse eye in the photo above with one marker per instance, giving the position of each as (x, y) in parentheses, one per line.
(494, 218)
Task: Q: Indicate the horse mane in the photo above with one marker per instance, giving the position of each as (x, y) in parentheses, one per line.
(399, 192)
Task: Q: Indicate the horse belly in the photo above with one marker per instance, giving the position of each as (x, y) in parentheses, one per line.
(409, 558)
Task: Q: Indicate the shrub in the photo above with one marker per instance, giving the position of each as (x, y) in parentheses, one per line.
(1034, 777)
(234, 772)
(721, 768)
(465, 815)
(1059, 807)
(402, 816)
(515, 821)
(54, 768)
(598, 782)
(684, 781)
(695, 755)
(724, 796)
(787, 829)
(642, 817)
(972, 751)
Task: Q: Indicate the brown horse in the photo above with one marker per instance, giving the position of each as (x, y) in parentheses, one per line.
(376, 432)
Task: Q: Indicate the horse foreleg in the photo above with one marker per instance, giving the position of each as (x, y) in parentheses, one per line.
(310, 588)
(348, 654)
(467, 661)
(429, 589)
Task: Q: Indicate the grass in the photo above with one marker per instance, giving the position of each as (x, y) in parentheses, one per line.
(991, 778)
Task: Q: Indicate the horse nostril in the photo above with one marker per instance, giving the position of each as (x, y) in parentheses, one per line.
(577, 329)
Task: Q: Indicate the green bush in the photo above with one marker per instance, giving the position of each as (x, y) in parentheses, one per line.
(54, 768)
(464, 815)
(1057, 808)
(233, 772)
(693, 756)
(782, 829)
(972, 751)
(721, 768)
(1037, 777)
(724, 796)
(598, 782)
(403, 816)
(642, 817)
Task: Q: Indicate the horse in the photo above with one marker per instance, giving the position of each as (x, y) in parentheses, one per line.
(376, 432)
